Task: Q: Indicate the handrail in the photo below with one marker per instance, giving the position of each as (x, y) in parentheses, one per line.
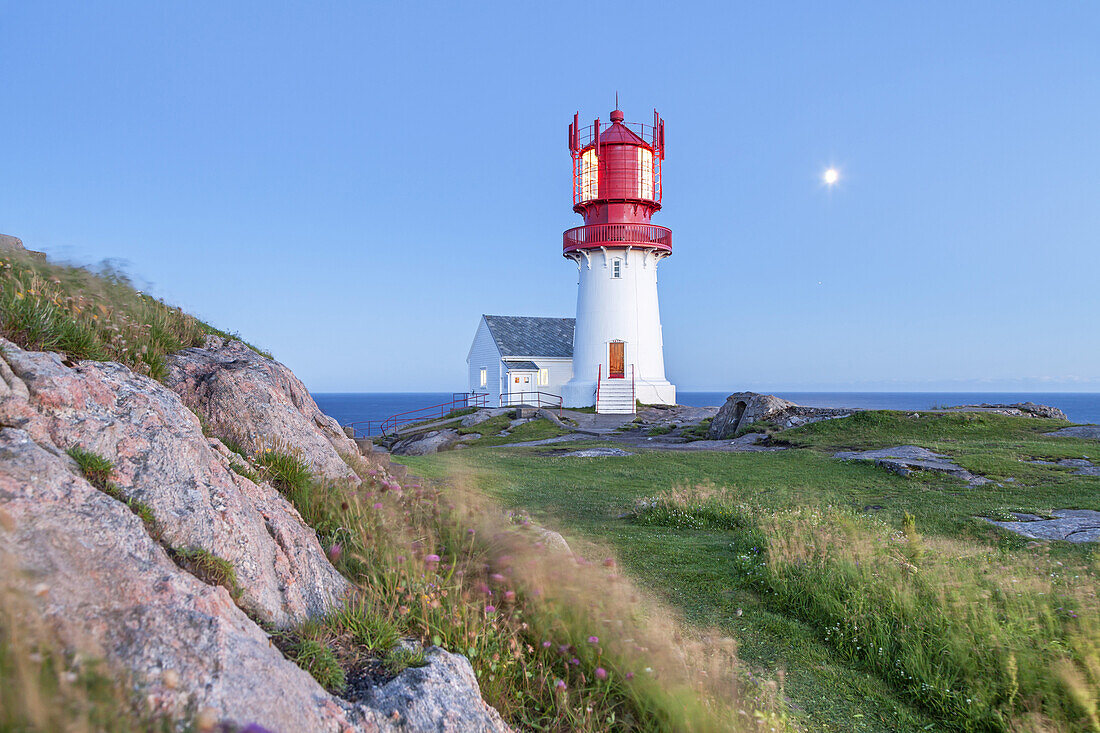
(552, 400)
(633, 397)
(459, 401)
(593, 236)
(599, 378)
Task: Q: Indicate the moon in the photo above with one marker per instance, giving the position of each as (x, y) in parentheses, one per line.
(831, 176)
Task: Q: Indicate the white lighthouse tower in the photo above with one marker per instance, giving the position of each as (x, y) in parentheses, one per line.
(618, 355)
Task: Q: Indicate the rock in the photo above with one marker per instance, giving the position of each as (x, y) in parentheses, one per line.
(551, 540)
(440, 696)
(1071, 525)
(1091, 432)
(110, 592)
(746, 408)
(485, 413)
(11, 244)
(423, 444)
(903, 459)
(597, 453)
(1018, 409)
(162, 459)
(259, 403)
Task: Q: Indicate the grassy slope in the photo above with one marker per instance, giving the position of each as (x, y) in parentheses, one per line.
(697, 571)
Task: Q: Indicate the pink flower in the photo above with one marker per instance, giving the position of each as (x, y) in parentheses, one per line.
(546, 645)
(377, 505)
(334, 552)
(490, 609)
(574, 661)
(593, 640)
(497, 577)
(560, 684)
(400, 558)
(484, 588)
(431, 558)
(630, 675)
(601, 673)
(509, 595)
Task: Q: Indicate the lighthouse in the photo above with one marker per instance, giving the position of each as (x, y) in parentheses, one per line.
(618, 355)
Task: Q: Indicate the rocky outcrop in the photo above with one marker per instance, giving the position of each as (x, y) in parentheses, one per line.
(1089, 432)
(162, 459)
(745, 408)
(258, 403)
(1071, 525)
(105, 585)
(109, 591)
(1017, 409)
(433, 441)
(905, 459)
(11, 244)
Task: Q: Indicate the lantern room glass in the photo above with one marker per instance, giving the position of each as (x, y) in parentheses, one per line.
(590, 181)
(645, 173)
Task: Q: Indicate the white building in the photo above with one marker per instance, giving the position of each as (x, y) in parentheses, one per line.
(514, 355)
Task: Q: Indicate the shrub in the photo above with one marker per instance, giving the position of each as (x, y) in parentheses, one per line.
(286, 472)
(317, 659)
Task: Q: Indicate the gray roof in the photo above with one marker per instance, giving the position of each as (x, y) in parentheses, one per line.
(532, 337)
(521, 365)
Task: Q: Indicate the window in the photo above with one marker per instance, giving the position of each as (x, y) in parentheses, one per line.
(645, 173)
(590, 175)
(544, 377)
(616, 268)
(484, 376)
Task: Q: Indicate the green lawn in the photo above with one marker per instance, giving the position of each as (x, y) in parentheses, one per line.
(782, 582)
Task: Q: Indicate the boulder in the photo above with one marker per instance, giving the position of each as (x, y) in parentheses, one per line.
(745, 408)
(422, 444)
(107, 591)
(162, 459)
(441, 696)
(1016, 409)
(110, 592)
(904, 459)
(476, 418)
(259, 403)
(1089, 432)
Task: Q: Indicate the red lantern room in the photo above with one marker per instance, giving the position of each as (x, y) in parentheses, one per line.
(617, 185)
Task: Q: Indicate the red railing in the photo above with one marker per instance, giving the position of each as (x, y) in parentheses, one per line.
(531, 399)
(393, 423)
(646, 236)
(599, 378)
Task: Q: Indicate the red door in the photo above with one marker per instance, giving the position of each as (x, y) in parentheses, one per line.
(617, 365)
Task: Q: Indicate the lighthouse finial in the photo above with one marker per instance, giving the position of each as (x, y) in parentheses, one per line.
(616, 99)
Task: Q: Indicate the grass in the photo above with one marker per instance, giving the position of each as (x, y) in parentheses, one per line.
(209, 568)
(91, 315)
(97, 470)
(814, 564)
(555, 646)
(490, 431)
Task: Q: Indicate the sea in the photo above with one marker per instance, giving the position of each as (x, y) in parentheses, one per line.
(1081, 407)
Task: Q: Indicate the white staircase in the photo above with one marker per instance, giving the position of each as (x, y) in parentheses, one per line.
(615, 397)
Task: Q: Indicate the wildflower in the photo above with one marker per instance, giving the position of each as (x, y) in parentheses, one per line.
(509, 595)
(574, 661)
(593, 640)
(334, 552)
(630, 675)
(546, 645)
(377, 505)
(601, 673)
(497, 577)
(490, 609)
(560, 684)
(431, 558)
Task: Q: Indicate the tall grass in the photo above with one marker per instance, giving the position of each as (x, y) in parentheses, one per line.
(557, 643)
(983, 638)
(91, 315)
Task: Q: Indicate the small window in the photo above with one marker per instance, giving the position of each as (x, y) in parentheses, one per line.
(484, 376)
(544, 377)
(616, 268)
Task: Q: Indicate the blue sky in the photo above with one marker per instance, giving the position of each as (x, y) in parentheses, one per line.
(351, 184)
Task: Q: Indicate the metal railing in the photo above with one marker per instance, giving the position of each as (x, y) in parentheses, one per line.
(648, 236)
(394, 423)
(599, 378)
(531, 399)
